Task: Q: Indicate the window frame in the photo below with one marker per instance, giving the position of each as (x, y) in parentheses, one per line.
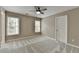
(18, 23)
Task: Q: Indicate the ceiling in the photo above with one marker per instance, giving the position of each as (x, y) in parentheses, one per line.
(29, 10)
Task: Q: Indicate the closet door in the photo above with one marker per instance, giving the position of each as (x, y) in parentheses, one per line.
(61, 28)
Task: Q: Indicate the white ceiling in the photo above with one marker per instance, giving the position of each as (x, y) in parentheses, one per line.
(29, 10)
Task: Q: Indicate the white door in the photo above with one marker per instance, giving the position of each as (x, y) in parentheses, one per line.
(61, 28)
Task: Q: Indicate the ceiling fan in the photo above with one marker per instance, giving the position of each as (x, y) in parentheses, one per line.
(39, 10)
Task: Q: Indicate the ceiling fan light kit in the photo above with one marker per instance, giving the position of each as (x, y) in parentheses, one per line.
(37, 12)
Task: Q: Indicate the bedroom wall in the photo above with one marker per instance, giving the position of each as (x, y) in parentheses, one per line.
(0, 26)
(48, 26)
(26, 26)
(73, 25)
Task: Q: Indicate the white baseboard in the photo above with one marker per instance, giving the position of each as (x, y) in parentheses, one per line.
(64, 43)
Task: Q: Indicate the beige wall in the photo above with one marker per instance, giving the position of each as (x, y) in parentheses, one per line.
(73, 25)
(26, 28)
(0, 26)
(48, 26)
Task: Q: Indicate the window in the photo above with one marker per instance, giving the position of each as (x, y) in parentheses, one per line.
(37, 25)
(12, 26)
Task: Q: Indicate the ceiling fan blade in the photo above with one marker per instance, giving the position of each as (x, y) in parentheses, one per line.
(44, 9)
(41, 12)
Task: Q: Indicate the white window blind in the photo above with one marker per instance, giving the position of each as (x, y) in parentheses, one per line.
(37, 26)
(12, 26)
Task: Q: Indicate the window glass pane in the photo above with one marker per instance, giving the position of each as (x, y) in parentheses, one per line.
(12, 26)
(37, 26)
